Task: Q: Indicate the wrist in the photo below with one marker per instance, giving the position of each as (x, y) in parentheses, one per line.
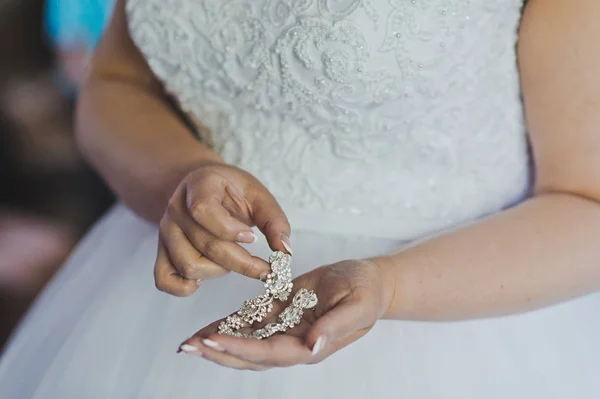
(387, 279)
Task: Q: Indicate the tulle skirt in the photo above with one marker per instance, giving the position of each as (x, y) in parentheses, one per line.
(101, 330)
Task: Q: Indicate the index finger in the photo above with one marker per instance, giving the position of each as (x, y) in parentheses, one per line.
(270, 219)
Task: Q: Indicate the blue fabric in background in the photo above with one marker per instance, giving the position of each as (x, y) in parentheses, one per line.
(77, 22)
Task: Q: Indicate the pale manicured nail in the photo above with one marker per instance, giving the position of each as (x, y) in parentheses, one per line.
(199, 281)
(287, 246)
(188, 348)
(213, 344)
(319, 345)
(263, 276)
(246, 237)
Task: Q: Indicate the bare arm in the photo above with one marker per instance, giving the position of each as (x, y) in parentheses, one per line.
(150, 158)
(127, 130)
(546, 250)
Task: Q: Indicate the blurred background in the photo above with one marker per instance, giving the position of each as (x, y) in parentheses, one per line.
(49, 197)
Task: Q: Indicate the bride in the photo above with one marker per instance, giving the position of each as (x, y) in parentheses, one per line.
(437, 162)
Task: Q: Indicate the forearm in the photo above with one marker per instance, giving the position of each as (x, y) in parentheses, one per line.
(136, 143)
(539, 253)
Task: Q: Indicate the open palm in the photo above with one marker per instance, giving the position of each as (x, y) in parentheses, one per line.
(352, 297)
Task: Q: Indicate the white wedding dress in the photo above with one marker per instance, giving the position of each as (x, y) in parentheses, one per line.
(375, 123)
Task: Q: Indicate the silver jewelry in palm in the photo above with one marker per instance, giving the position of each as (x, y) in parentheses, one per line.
(278, 286)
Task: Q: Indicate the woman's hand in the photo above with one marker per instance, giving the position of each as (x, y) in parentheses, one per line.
(211, 211)
(352, 295)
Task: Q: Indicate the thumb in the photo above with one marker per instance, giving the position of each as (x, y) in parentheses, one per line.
(349, 316)
(270, 219)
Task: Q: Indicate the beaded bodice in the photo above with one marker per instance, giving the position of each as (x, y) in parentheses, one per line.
(392, 118)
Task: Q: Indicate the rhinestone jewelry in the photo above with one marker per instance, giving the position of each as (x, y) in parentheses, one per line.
(256, 309)
(288, 319)
(278, 286)
(291, 316)
(279, 281)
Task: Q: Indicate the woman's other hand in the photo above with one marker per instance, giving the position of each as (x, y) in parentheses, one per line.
(211, 212)
(352, 295)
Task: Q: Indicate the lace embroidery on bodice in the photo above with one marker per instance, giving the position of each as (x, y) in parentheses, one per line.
(391, 118)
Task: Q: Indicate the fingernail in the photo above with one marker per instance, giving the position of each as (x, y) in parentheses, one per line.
(214, 345)
(263, 276)
(319, 345)
(247, 237)
(199, 281)
(286, 245)
(187, 348)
